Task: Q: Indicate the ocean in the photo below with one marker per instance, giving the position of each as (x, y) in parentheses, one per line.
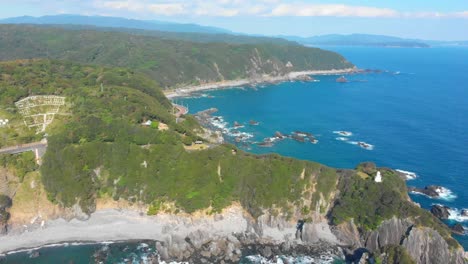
(413, 113)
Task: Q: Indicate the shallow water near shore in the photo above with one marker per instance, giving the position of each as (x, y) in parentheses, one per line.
(413, 114)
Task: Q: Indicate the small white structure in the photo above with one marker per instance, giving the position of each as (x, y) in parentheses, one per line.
(147, 123)
(4, 122)
(378, 177)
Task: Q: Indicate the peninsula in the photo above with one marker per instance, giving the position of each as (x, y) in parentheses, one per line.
(107, 176)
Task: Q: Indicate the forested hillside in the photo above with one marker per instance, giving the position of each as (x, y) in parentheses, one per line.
(168, 62)
(101, 147)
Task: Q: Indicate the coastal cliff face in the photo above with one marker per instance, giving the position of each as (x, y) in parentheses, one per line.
(422, 244)
(233, 233)
(426, 245)
(266, 236)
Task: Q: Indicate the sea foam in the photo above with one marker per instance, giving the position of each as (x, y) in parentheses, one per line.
(456, 215)
(322, 259)
(343, 133)
(408, 174)
(342, 139)
(445, 194)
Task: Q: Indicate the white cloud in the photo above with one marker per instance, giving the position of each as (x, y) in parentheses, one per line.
(130, 5)
(463, 14)
(310, 10)
(167, 9)
(275, 8)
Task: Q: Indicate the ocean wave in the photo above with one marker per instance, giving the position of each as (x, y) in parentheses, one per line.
(233, 132)
(445, 194)
(408, 174)
(365, 145)
(62, 244)
(342, 139)
(362, 144)
(456, 215)
(322, 259)
(343, 133)
(218, 122)
(238, 134)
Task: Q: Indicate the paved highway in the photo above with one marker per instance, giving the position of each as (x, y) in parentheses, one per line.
(41, 146)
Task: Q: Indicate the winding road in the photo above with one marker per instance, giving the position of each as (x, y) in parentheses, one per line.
(39, 148)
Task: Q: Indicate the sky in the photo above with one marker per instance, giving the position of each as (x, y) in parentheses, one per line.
(423, 19)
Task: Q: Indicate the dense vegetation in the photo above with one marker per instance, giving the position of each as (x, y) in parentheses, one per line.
(21, 164)
(186, 36)
(396, 255)
(169, 62)
(369, 203)
(101, 149)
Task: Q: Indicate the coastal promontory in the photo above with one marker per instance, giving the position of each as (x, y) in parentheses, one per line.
(119, 160)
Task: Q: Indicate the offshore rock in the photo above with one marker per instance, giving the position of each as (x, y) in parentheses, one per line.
(458, 229)
(440, 211)
(431, 191)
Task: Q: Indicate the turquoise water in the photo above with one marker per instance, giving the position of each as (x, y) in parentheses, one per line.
(415, 114)
(121, 252)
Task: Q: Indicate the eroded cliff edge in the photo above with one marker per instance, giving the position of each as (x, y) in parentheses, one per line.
(405, 236)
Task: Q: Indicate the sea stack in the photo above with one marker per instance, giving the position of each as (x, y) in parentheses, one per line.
(342, 79)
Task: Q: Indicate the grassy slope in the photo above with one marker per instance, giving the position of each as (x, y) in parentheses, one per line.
(170, 62)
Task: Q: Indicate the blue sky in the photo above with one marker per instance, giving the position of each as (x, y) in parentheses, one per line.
(427, 19)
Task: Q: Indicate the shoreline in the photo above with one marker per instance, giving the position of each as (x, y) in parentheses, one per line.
(187, 90)
(114, 225)
(122, 225)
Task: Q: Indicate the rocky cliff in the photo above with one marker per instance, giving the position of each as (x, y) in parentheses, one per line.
(423, 244)
(234, 233)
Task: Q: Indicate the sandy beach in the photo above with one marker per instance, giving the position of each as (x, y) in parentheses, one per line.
(186, 90)
(119, 225)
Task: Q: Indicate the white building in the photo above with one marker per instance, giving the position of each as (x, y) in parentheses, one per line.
(378, 177)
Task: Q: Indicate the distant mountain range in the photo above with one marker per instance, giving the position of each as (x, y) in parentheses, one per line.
(160, 29)
(359, 40)
(114, 22)
(198, 33)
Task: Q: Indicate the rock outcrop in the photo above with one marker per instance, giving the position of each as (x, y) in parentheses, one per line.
(458, 229)
(440, 211)
(5, 204)
(390, 232)
(426, 245)
(423, 244)
(431, 191)
(267, 236)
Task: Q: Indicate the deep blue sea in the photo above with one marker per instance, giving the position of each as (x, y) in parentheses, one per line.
(414, 113)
